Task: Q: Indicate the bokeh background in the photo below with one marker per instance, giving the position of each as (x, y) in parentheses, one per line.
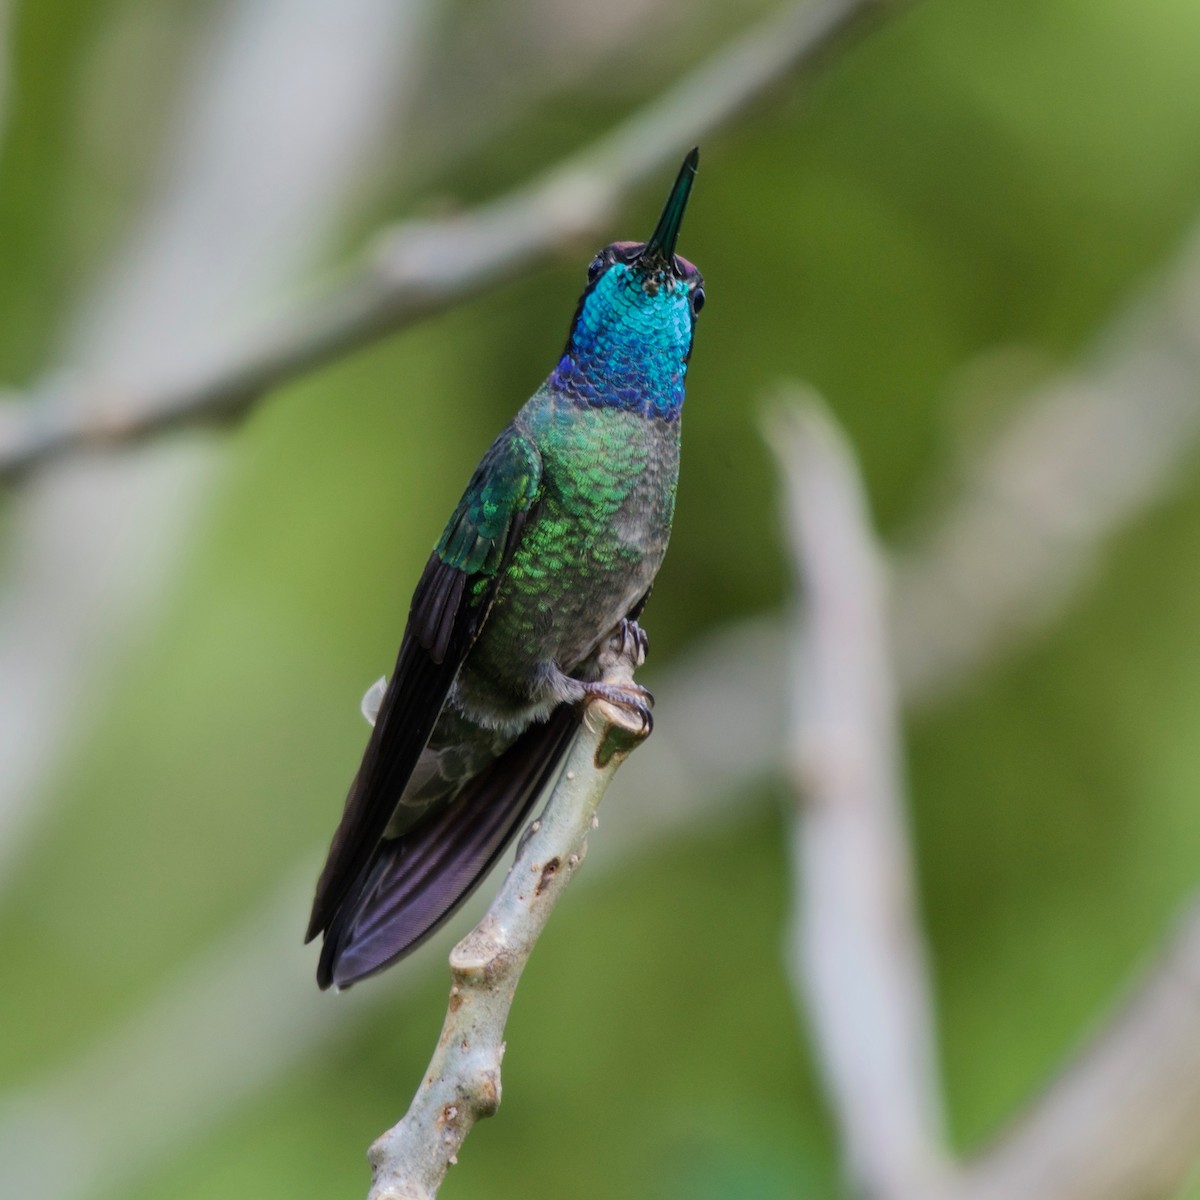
(956, 209)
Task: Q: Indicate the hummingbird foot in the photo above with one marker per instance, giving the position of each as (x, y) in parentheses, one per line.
(620, 656)
(630, 699)
(627, 702)
(630, 641)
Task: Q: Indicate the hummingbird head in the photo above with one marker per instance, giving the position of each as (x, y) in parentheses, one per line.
(631, 338)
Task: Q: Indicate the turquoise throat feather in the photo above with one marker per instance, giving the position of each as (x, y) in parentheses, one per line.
(555, 542)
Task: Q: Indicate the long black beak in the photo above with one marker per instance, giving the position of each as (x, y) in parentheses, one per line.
(661, 246)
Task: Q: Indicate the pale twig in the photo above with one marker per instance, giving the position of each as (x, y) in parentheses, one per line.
(1123, 1121)
(422, 267)
(859, 953)
(462, 1082)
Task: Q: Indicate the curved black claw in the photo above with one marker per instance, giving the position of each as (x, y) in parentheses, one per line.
(630, 698)
(630, 636)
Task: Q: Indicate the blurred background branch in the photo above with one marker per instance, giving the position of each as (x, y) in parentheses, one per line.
(89, 549)
(1123, 1121)
(1078, 459)
(421, 267)
(858, 953)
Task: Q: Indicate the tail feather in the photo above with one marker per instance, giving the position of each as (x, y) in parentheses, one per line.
(416, 882)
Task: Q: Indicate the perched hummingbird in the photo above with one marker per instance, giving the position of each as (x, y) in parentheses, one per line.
(553, 547)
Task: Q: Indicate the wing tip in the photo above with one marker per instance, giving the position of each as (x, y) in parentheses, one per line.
(324, 970)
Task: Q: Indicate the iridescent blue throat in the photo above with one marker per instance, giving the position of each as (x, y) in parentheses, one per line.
(628, 348)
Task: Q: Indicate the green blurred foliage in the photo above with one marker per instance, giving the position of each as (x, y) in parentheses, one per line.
(976, 175)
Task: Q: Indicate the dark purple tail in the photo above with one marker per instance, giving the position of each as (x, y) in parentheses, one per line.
(416, 882)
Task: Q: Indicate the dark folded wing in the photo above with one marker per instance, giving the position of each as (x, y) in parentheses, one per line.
(448, 609)
(418, 880)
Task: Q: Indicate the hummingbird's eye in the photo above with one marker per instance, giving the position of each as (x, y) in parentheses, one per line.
(697, 300)
(596, 267)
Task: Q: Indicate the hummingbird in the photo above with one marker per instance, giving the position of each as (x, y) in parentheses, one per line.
(551, 551)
